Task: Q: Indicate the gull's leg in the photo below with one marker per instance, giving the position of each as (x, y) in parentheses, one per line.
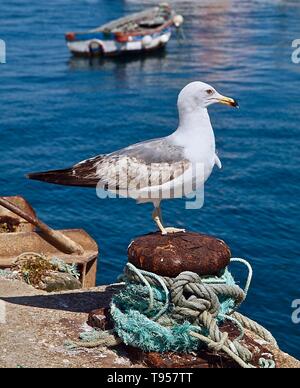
(156, 218)
(160, 215)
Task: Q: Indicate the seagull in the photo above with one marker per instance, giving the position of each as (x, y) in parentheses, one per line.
(159, 169)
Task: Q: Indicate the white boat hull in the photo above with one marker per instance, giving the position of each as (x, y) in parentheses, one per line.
(112, 47)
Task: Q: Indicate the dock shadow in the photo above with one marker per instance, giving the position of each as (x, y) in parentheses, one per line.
(76, 302)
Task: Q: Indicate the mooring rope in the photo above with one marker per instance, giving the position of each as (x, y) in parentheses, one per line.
(190, 304)
(197, 300)
(256, 328)
(206, 292)
(140, 274)
(95, 339)
(250, 272)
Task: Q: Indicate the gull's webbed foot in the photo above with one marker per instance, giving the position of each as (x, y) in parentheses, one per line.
(157, 217)
(173, 231)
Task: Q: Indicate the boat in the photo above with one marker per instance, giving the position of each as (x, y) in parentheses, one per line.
(139, 32)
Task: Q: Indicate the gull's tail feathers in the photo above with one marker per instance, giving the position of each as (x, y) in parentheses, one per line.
(67, 177)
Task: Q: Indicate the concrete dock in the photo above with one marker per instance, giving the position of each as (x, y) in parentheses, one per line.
(35, 326)
(39, 324)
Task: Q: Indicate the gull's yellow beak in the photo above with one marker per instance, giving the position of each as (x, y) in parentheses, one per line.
(228, 101)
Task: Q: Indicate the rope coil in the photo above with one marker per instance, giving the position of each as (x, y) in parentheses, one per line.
(160, 313)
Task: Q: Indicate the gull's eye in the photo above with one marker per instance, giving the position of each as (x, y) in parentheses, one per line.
(210, 92)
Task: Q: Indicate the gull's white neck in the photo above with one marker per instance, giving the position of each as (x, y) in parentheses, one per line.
(195, 131)
(194, 120)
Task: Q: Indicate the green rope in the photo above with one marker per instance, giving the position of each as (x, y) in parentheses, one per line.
(71, 269)
(161, 314)
(139, 273)
(160, 282)
(135, 323)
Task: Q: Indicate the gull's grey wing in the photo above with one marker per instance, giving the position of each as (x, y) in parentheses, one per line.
(153, 151)
(142, 165)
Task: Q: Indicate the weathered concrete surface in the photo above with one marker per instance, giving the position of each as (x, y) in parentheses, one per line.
(38, 325)
(284, 360)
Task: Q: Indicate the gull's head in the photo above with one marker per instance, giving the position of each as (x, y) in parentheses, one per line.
(201, 95)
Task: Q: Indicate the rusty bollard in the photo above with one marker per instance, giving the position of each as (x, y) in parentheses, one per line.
(175, 253)
(169, 256)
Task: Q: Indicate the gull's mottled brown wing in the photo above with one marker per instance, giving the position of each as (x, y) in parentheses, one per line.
(140, 166)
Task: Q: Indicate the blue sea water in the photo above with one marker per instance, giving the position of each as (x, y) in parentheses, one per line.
(56, 110)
